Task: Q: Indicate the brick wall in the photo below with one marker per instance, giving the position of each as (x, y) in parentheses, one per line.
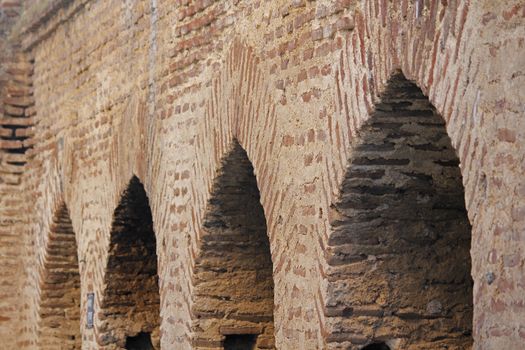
(9, 13)
(16, 111)
(164, 90)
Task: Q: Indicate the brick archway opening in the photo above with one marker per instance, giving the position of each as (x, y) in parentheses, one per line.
(233, 298)
(398, 254)
(59, 326)
(130, 308)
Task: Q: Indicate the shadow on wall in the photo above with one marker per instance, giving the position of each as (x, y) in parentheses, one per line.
(399, 251)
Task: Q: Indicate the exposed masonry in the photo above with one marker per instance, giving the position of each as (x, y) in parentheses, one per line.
(59, 326)
(18, 108)
(131, 302)
(294, 81)
(233, 273)
(18, 111)
(400, 249)
(16, 117)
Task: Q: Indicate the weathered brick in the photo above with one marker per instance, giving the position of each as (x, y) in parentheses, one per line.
(10, 144)
(13, 111)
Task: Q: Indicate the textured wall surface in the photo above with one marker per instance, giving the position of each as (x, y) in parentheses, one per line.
(16, 118)
(385, 140)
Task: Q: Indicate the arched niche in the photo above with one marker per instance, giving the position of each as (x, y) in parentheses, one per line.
(233, 283)
(130, 307)
(59, 325)
(398, 255)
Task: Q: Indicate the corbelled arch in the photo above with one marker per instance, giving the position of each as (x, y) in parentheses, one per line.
(59, 312)
(398, 255)
(130, 306)
(232, 273)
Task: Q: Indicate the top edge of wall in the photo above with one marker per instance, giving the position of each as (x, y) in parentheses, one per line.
(40, 19)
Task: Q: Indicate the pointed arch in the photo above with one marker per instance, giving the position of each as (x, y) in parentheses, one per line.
(130, 307)
(233, 284)
(59, 326)
(398, 255)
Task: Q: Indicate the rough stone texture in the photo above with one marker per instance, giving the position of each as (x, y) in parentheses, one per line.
(163, 89)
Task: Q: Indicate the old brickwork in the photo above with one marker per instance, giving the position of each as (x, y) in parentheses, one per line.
(399, 252)
(233, 270)
(59, 310)
(16, 114)
(131, 272)
(367, 155)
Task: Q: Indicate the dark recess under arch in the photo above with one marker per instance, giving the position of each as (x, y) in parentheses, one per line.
(376, 346)
(399, 251)
(59, 326)
(131, 303)
(233, 299)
